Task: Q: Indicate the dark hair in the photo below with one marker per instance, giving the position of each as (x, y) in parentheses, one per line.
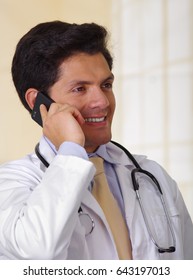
(40, 52)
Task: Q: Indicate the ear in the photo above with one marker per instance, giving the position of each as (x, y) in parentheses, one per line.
(30, 97)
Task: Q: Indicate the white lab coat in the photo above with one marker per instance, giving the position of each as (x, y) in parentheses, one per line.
(39, 210)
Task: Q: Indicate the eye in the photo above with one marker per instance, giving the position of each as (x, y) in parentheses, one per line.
(79, 89)
(107, 85)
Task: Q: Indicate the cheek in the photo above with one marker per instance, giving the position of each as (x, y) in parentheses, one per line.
(78, 102)
(112, 103)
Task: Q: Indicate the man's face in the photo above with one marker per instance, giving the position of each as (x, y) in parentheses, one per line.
(85, 82)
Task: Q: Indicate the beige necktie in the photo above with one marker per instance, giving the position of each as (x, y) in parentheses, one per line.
(111, 210)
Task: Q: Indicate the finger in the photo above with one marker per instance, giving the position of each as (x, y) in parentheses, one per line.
(66, 108)
(77, 115)
(56, 107)
(43, 112)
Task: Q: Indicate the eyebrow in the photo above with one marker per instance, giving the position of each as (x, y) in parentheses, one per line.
(111, 77)
(83, 82)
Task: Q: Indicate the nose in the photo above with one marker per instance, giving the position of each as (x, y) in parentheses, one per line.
(99, 99)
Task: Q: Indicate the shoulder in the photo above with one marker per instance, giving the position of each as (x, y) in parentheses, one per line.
(26, 168)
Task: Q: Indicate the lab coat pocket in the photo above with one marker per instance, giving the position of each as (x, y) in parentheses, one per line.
(78, 248)
(163, 226)
(161, 220)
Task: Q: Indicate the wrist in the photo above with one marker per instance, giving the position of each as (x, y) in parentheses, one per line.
(72, 149)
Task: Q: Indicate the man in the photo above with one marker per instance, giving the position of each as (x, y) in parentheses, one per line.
(48, 205)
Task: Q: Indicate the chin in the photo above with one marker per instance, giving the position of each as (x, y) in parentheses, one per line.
(92, 145)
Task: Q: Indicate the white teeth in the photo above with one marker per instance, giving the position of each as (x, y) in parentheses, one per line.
(95, 119)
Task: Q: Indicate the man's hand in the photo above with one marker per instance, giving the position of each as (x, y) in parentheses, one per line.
(62, 123)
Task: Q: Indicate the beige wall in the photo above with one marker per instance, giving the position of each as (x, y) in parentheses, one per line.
(154, 70)
(18, 132)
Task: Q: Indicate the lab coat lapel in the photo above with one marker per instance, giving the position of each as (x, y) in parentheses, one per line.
(90, 202)
(46, 151)
(129, 196)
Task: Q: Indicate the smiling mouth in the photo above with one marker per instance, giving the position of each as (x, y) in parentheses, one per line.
(95, 120)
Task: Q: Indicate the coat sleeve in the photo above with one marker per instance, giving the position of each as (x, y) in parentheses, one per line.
(38, 215)
(187, 228)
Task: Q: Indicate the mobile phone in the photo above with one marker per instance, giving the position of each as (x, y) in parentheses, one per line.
(41, 98)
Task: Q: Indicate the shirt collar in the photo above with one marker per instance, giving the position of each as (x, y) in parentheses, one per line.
(109, 152)
(102, 152)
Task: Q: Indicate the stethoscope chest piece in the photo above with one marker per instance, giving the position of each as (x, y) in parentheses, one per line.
(86, 221)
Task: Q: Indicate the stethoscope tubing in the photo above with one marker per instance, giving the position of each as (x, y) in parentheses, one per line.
(137, 169)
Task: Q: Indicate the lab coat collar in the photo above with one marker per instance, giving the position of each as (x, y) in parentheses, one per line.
(46, 149)
(114, 155)
(119, 157)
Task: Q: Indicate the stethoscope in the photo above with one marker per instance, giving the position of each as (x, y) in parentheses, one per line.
(88, 221)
